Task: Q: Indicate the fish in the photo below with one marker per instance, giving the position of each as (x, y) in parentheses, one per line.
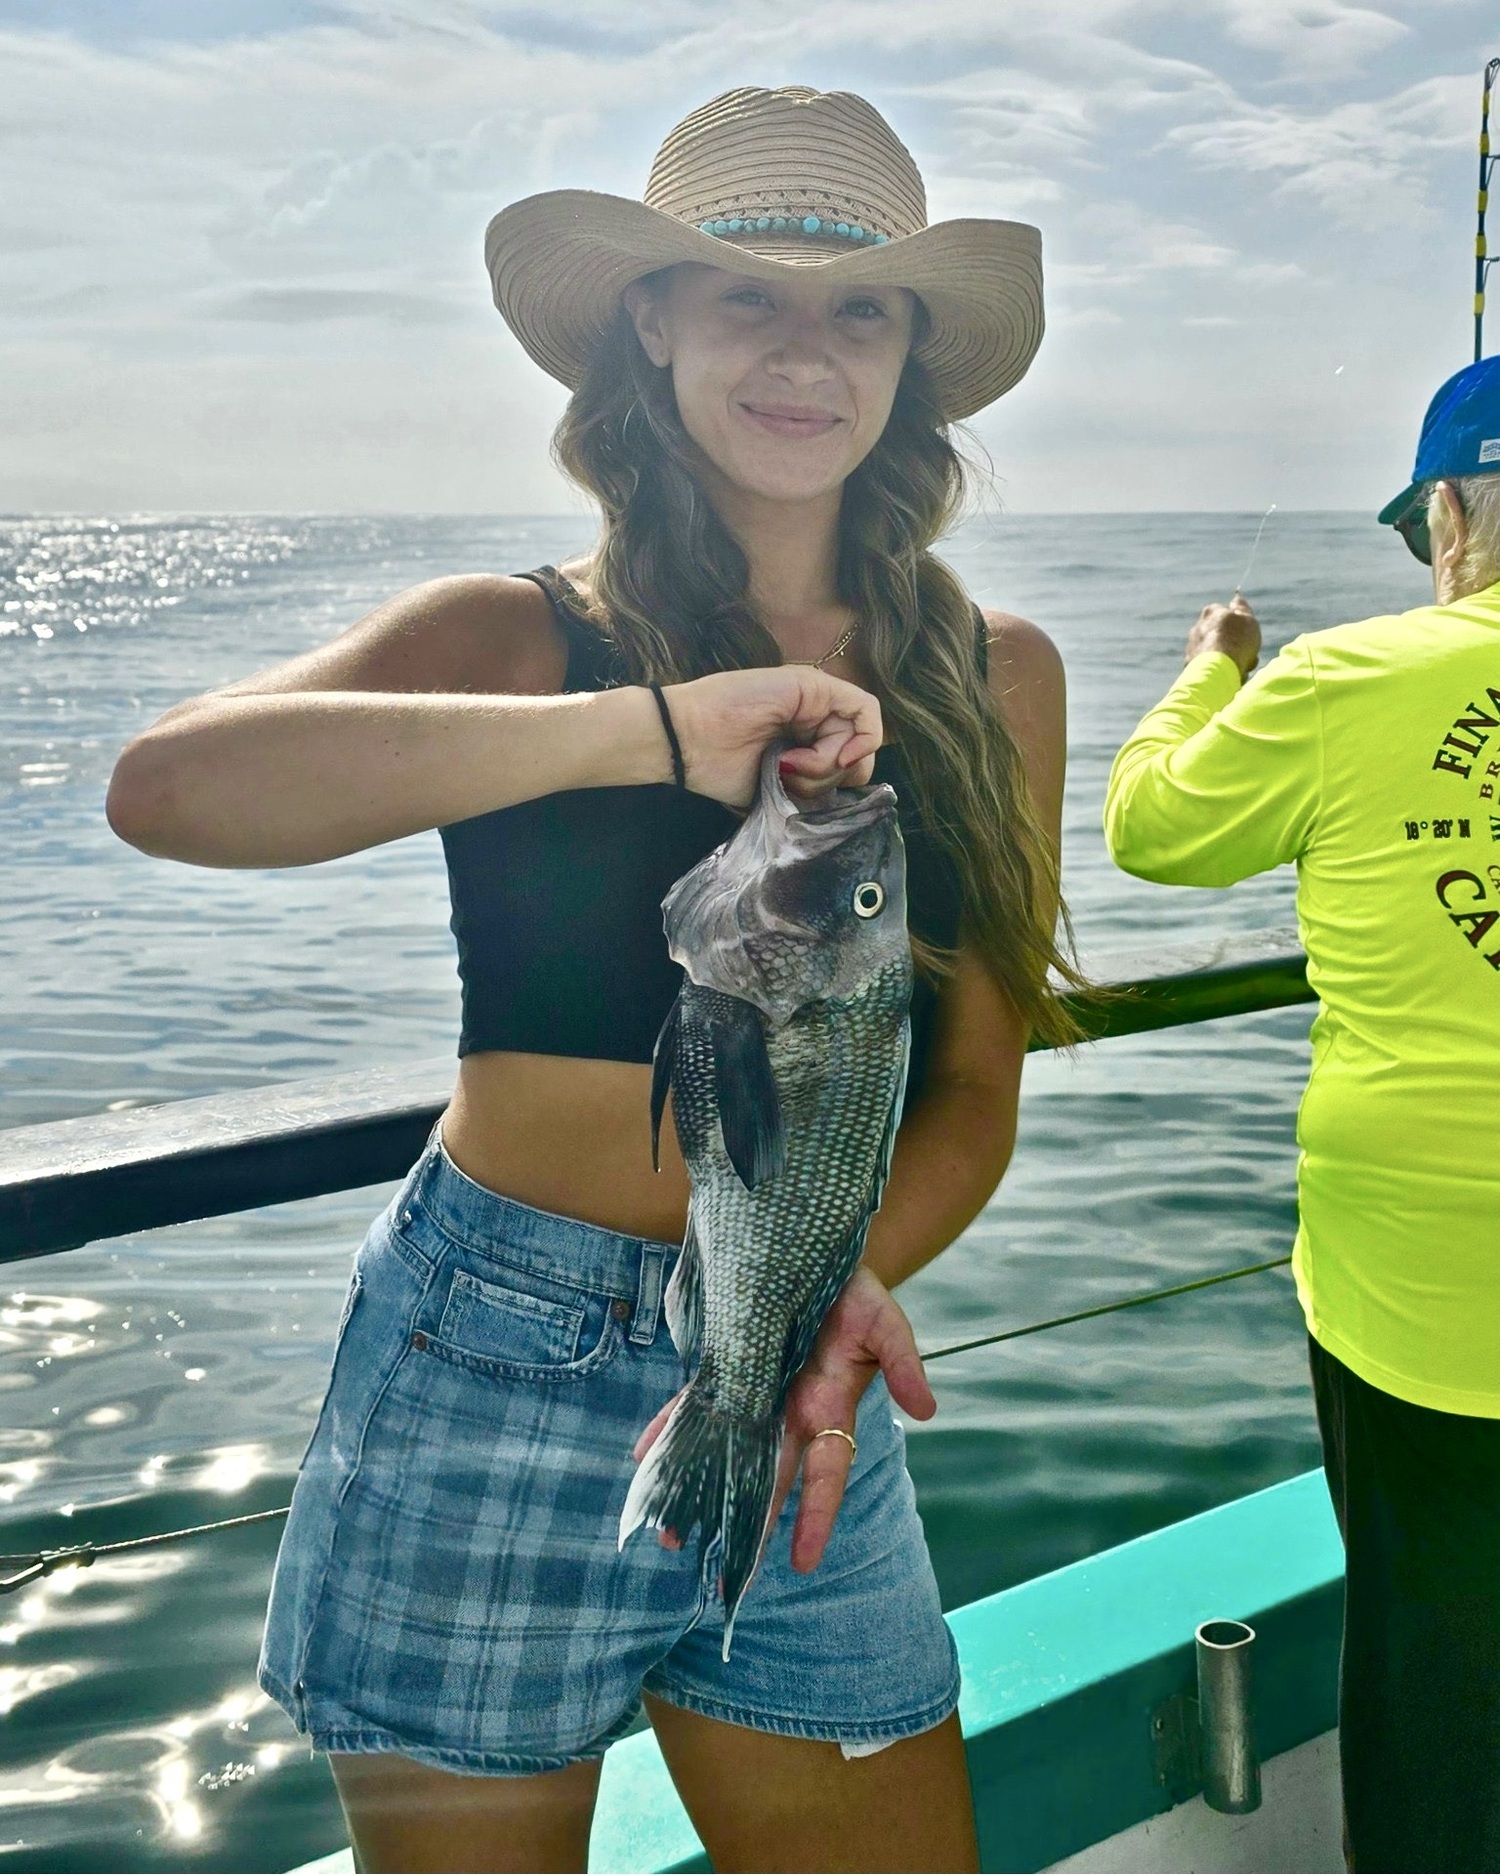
(785, 1057)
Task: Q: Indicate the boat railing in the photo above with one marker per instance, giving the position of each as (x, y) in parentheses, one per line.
(68, 1183)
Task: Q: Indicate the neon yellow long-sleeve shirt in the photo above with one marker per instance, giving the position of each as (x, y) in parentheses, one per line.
(1370, 756)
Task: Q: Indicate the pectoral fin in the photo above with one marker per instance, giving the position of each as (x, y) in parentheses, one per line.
(745, 1089)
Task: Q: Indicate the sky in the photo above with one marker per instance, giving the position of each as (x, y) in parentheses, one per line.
(242, 239)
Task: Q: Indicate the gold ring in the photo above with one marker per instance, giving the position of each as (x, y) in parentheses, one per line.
(838, 1432)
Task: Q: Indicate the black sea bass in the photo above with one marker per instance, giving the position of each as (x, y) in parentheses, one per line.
(785, 1055)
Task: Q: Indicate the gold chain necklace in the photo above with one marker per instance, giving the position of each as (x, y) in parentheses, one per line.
(840, 644)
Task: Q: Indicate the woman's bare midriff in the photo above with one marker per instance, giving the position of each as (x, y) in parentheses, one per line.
(568, 1136)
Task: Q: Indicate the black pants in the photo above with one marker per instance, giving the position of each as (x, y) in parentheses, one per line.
(1417, 1494)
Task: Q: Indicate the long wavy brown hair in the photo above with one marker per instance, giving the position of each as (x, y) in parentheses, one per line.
(670, 585)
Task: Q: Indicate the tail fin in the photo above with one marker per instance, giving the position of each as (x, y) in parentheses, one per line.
(713, 1472)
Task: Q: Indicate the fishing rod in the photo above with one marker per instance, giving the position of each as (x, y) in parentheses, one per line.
(1482, 265)
(1482, 261)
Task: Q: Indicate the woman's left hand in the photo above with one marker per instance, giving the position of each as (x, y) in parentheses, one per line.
(864, 1333)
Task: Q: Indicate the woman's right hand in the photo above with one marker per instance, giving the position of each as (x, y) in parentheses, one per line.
(724, 722)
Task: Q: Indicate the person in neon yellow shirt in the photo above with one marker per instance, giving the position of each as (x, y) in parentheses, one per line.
(1369, 756)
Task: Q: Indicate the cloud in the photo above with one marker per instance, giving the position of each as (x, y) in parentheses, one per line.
(237, 226)
(1126, 246)
(1362, 162)
(1313, 38)
(1004, 120)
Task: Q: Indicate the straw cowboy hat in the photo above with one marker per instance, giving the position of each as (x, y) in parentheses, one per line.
(760, 182)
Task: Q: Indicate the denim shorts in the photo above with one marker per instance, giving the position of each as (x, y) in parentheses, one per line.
(450, 1585)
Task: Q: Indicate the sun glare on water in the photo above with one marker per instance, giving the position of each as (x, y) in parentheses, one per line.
(231, 1468)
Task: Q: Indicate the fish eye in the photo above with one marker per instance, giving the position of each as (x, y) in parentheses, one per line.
(869, 899)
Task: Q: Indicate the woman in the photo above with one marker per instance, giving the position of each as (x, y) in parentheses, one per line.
(764, 356)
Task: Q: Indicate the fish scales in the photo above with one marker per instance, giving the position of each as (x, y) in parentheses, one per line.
(838, 1069)
(785, 1057)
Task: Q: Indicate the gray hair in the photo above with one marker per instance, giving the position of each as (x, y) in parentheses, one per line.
(1479, 565)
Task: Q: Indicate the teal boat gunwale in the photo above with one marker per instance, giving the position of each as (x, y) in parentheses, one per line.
(1063, 1673)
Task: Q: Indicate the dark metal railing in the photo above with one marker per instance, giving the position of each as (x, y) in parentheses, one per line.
(72, 1182)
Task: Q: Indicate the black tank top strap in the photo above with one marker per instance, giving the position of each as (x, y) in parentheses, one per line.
(592, 664)
(982, 645)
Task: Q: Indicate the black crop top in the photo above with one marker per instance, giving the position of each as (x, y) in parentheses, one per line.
(557, 901)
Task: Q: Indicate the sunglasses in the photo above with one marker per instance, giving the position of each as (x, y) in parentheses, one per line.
(1413, 528)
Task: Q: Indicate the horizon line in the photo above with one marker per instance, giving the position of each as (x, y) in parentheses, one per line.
(495, 514)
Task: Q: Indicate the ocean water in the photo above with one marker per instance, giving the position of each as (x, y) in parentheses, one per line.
(164, 1378)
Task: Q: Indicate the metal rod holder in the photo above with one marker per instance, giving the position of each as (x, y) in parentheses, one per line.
(1230, 1762)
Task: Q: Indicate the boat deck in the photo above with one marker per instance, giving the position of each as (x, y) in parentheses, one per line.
(1298, 1828)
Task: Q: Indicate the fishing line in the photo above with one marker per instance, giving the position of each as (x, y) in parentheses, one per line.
(38, 1564)
(1254, 549)
(1106, 1308)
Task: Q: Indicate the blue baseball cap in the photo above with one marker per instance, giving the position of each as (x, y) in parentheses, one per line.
(1460, 436)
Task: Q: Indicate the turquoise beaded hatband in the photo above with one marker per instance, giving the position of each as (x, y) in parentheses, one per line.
(848, 230)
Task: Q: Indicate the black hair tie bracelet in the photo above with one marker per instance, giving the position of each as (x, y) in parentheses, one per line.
(679, 769)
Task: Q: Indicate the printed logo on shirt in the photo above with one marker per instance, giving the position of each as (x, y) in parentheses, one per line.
(1470, 732)
(1441, 829)
(1469, 895)
(1489, 449)
(1470, 906)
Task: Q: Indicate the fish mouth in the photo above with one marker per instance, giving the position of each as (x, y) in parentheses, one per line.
(841, 808)
(850, 807)
(807, 831)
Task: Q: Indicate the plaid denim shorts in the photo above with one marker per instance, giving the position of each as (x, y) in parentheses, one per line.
(449, 1585)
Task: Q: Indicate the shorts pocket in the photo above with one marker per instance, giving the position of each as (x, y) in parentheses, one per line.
(510, 1325)
(524, 1327)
